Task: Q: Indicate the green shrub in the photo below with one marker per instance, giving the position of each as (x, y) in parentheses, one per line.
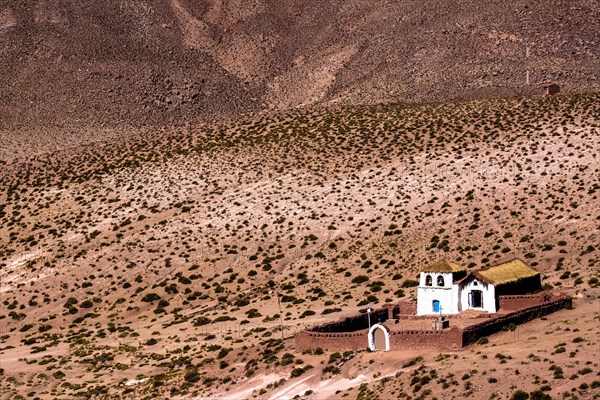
(192, 376)
(539, 395)
(287, 359)
(412, 362)
(483, 340)
(334, 357)
(307, 313)
(58, 375)
(242, 302)
(360, 279)
(86, 304)
(409, 283)
(71, 301)
(150, 297)
(222, 353)
(253, 313)
(331, 369)
(202, 321)
(520, 395)
(296, 372)
(163, 303)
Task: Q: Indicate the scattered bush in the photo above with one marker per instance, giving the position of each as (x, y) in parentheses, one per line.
(520, 395)
(150, 297)
(410, 283)
(412, 362)
(360, 279)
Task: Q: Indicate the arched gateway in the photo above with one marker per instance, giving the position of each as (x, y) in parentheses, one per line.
(371, 337)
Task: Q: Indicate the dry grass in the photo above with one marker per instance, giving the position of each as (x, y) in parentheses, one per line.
(508, 272)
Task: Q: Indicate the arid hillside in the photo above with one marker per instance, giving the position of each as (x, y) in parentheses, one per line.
(69, 64)
(149, 267)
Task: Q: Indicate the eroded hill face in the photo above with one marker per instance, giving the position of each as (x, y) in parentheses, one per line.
(160, 256)
(73, 63)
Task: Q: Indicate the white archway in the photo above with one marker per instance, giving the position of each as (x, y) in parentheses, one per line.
(371, 337)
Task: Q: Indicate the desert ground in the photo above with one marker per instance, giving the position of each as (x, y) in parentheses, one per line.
(147, 264)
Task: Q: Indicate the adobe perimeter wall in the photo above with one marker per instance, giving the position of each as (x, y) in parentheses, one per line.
(331, 337)
(446, 339)
(349, 333)
(495, 324)
(407, 308)
(517, 302)
(306, 339)
(352, 324)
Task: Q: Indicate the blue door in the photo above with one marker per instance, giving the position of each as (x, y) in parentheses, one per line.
(436, 306)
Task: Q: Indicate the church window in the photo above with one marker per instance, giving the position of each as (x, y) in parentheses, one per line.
(428, 281)
(440, 280)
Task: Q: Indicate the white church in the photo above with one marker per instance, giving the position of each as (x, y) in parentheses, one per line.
(448, 288)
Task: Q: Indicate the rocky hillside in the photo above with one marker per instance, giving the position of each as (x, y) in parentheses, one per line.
(172, 61)
(156, 260)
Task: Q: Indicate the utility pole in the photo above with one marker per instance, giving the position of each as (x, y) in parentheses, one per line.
(527, 34)
(527, 65)
(280, 315)
(370, 340)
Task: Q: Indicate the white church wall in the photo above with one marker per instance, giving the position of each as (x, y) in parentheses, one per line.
(488, 295)
(447, 295)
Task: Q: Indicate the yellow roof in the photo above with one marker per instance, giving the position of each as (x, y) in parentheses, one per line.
(507, 272)
(443, 265)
